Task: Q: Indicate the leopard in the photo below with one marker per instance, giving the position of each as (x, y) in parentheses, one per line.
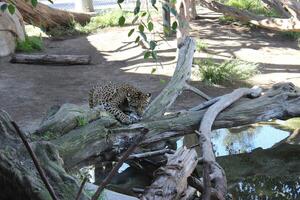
(119, 99)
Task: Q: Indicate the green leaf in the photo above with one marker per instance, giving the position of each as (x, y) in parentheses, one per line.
(174, 26)
(34, 2)
(141, 28)
(144, 14)
(135, 19)
(120, 1)
(153, 70)
(122, 21)
(4, 7)
(152, 45)
(147, 54)
(144, 36)
(130, 32)
(11, 8)
(137, 7)
(150, 26)
(137, 39)
(154, 55)
(166, 30)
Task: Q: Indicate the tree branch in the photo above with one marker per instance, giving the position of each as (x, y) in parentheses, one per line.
(35, 161)
(210, 166)
(277, 24)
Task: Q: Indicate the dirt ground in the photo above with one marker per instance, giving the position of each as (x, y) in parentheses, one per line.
(28, 91)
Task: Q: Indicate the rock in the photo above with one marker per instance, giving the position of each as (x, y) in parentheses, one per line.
(11, 29)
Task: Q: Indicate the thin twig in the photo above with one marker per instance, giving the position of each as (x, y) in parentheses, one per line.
(151, 154)
(119, 164)
(35, 161)
(81, 188)
(205, 104)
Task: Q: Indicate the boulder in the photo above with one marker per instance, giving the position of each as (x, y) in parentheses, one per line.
(11, 29)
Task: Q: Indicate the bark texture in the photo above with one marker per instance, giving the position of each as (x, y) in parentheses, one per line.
(51, 59)
(290, 8)
(47, 17)
(171, 182)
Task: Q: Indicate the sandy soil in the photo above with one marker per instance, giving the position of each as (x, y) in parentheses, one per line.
(27, 91)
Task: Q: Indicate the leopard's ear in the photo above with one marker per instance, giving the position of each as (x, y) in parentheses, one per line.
(148, 94)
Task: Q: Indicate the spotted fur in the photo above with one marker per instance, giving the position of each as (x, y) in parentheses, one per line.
(118, 99)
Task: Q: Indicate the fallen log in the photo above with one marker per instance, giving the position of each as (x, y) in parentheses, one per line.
(273, 23)
(171, 181)
(106, 140)
(46, 17)
(51, 59)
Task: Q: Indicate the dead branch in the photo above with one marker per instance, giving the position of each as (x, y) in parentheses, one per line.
(212, 171)
(177, 84)
(151, 154)
(171, 181)
(35, 161)
(81, 188)
(196, 91)
(51, 59)
(277, 24)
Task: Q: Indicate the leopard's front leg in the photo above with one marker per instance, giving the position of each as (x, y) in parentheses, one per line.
(121, 116)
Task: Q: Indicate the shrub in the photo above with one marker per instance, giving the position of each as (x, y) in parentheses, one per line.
(30, 44)
(201, 46)
(103, 20)
(255, 6)
(228, 71)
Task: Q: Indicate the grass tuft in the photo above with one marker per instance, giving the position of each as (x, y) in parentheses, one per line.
(30, 44)
(201, 46)
(226, 72)
(103, 20)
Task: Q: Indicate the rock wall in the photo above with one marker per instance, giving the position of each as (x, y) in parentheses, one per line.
(11, 29)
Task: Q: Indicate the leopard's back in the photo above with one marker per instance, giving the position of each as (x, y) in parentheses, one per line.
(105, 93)
(118, 99)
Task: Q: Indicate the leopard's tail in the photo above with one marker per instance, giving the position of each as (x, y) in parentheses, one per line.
(91, 98)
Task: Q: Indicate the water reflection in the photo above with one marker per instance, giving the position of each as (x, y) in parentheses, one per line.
(246, 138)
(266, 188)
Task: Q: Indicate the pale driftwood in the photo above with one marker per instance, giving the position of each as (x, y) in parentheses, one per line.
(212, 171)
(277, 24)
(277, 5)
(177, 84)
(151, 154)
(49, 59)
(46, 17)
(171, 181)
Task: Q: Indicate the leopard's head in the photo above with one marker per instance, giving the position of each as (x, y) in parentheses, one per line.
(138, 101)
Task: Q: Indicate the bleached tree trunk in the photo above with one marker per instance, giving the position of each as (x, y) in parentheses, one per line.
(84, 5)
(47, 17)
